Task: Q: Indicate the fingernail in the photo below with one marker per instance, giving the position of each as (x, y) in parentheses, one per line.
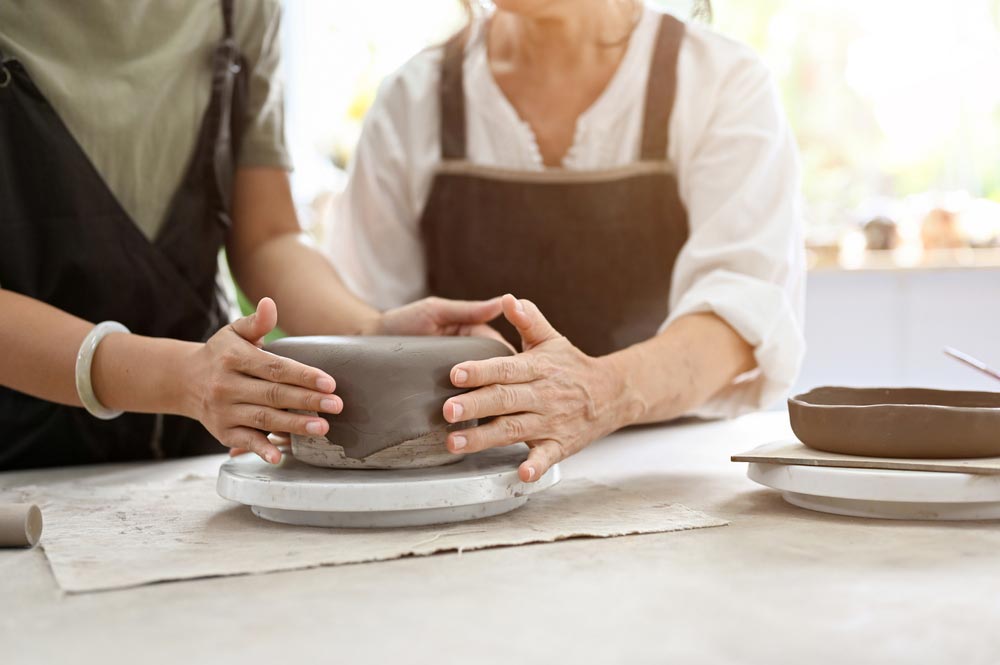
(531, 473)
(457, 410)
(325, 384)
(330, 405)
(519, 306)
(315, 427)
(461, 376)
(458, 442)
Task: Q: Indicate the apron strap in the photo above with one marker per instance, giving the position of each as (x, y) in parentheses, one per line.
(452, 96)
(661, 89)
(227, 17)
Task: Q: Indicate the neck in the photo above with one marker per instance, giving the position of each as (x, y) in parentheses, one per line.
(568, 35)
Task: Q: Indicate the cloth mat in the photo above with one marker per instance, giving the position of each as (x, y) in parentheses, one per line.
(100, 537)
(797, 454)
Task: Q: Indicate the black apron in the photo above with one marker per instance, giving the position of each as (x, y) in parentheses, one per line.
(65, 240)
(595, 250)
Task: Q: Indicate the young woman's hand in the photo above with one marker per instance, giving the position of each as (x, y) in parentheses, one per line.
(240, 392)
(438, 316)
(552, 396)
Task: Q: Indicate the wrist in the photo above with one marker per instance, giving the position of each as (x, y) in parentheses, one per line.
(177, 366)
(628, 406)
(143, 374)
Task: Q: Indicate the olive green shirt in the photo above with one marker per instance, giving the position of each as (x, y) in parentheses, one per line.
(131, 80)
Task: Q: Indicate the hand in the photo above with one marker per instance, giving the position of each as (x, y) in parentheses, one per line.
(438, 316)
(239, 392)
(553, 397)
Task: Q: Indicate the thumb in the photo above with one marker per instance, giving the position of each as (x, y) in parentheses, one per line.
(525, 316)
(255, 326)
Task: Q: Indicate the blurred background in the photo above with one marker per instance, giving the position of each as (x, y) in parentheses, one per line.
(896, 108)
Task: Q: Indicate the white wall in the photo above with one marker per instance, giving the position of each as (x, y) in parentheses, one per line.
(887, 328)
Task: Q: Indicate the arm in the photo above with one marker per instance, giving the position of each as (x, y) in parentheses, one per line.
(229, 384)
(270, 256)
(677, 371)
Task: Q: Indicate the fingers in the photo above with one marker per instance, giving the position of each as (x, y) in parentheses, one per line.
(256, 442)
(269, 367)
(266, 419)
(254, 327)
(493, 400)
(525, 316)
(541, 458)
(462, 312)
(500, 432)
(484, 330)
(277, 439)
(282, 396)
(507, 369)
(505, 431)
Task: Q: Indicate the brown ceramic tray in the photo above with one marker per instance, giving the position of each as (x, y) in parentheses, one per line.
(898, 422)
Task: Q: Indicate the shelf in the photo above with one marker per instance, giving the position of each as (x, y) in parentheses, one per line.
(824, 260)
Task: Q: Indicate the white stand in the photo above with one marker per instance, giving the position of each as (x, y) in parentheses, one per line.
(886, 494)
(481, 485)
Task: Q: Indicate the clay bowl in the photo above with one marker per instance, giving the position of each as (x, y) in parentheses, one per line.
(898, 422)
(393, 389)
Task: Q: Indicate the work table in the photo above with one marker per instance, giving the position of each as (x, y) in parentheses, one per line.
(779, 584)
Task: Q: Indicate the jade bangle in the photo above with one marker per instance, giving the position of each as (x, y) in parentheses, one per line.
(84, 361)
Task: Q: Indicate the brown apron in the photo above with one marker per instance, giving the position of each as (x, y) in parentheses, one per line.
(595, 250)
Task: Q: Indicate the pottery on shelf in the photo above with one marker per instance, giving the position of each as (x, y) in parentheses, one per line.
(394, 389)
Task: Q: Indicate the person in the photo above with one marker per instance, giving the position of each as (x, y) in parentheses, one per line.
(629, 177)
(136, 139)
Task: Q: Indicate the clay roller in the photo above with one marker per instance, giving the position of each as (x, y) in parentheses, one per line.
(20, 524)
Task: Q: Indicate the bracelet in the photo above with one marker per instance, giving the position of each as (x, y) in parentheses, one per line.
(84, 360)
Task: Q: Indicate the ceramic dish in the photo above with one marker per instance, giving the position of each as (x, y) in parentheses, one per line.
(898, 422)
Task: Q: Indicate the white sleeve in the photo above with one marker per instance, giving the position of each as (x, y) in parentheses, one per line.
(375, 240)
(745, 257)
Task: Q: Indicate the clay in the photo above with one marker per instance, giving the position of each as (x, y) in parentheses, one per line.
(393, 389)
(898, 422)
(20, 525)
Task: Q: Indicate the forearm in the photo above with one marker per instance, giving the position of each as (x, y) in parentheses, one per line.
(40, 343)
(677, 371)
(311, 296)
(270, 256)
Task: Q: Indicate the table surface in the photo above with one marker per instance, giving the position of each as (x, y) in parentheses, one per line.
(779, 584)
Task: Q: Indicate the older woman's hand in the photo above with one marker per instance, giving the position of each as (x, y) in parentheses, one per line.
(553, 396)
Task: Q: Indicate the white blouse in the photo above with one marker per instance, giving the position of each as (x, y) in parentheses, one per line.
(730, 144)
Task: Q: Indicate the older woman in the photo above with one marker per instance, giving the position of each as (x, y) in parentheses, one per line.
(631, 178)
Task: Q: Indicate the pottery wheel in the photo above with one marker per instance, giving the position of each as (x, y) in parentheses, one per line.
(481, 485)
(881, 493)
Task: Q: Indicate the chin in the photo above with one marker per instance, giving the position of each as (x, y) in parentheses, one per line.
(531, 8)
